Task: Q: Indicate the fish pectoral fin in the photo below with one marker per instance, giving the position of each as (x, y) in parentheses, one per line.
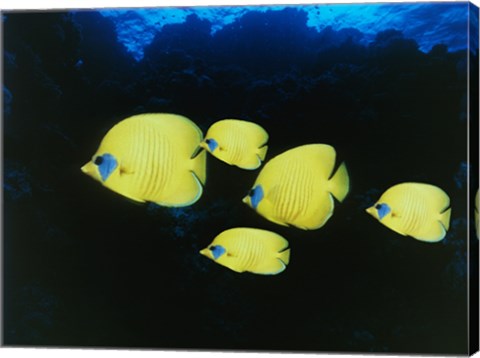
(125, 171)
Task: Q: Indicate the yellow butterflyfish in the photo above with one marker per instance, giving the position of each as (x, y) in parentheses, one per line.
(247, 249)
(297, 187)
(237, 142)
(419, 210)
(147, 157)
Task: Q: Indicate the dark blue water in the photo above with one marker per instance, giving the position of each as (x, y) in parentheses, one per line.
(85, 267)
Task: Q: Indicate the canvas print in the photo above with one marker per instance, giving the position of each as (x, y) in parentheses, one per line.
(296, 178)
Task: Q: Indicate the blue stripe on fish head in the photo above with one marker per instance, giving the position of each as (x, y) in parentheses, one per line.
(212, 144)
(256, 195)
(106, 165)
(217, 251)
(383, 210)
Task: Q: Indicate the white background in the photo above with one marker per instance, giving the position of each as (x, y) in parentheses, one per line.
(100, 353)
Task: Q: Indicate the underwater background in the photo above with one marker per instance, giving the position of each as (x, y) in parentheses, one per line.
(385, 84)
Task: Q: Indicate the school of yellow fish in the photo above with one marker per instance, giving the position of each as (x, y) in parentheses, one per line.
(161, 158)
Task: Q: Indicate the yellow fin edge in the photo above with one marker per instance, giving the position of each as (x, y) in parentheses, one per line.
(339, 184)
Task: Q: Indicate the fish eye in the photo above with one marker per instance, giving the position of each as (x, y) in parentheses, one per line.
(212, 248)
(378, 206)
(207, 141)
(251, 192)
(98, 160)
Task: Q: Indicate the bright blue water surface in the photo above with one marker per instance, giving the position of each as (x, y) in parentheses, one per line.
(427, 23)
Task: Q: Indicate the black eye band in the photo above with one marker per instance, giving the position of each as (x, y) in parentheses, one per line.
(98, 160)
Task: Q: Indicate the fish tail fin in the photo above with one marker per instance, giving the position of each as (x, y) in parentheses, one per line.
(284, 256)
(262, 152)
(199, 166)
(445, 218)
(339, 184)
